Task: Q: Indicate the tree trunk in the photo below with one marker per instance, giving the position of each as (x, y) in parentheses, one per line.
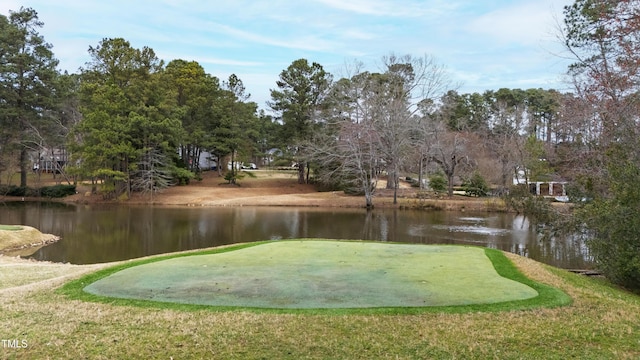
(301, 173)
(369, 201)
(183, 155)
(23, 167)
(391, 180)
(420, 173)
(233, 168)
(128, 181)
(196, 160)
(395, 194)
(218, 164)
(450, 185)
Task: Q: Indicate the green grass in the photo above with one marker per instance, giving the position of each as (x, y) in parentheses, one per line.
(602, 322)
(355, 293)
(10, 227)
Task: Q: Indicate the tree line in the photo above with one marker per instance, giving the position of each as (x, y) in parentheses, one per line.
(126, 120)
(131, 122)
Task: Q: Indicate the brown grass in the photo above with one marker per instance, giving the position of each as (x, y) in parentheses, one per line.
(602, 323)
(280, 188)
(26, 237)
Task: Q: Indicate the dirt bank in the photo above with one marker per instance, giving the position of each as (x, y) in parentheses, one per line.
(23, 239)
(278, 188)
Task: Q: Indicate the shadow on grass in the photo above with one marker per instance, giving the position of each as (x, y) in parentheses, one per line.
(548, 297)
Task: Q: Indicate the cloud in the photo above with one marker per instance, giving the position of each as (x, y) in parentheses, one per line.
(486, 44)
(205, 59)
(386, 7)
(525, 23)
(305, 42)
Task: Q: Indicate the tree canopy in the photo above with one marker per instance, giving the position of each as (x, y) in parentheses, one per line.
(603, 36)
(301, 88)
(28, 80)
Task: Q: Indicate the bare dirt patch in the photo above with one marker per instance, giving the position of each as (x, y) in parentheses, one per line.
(281, 188)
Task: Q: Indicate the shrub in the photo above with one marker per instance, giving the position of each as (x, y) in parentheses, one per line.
(57, 191)
(438, 182)
(537, 208)
(182, 176)
(12, 190)
(612, 221)
(233, 176)
(476, 185)
(281, 163)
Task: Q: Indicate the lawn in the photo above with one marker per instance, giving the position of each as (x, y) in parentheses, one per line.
(602, 322)
(320, 274)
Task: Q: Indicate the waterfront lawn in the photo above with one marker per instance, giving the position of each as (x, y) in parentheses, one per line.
(602, 322)
(319, 276)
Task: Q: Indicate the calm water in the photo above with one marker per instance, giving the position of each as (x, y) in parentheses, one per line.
(95, 234)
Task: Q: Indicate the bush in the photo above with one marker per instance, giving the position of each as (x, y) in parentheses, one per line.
(281, 163)
(612, 221)
(438, 182)
(12, 190)
(57, 191)
(182, 176)
(476, 185)
(537, 208)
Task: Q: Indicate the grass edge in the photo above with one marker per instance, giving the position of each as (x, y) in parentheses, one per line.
(548, 296)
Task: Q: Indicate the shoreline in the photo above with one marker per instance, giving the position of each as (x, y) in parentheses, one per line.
(277, 188)
(19, 242)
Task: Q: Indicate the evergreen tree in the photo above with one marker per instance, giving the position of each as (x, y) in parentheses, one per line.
(301, 90)
(27, 85)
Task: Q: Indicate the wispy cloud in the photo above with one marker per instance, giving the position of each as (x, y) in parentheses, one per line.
(485, 44)
(386, 7)
(209, 60)
(294, 42)
(523, 23)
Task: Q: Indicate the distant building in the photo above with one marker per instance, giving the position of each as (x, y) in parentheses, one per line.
(50, 160)
(552, 189)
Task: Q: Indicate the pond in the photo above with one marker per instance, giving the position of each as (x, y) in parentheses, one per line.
(103, 233)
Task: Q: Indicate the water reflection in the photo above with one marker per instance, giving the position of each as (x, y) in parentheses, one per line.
(94, 234)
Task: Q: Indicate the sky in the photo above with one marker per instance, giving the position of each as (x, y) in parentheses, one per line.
(483, 44)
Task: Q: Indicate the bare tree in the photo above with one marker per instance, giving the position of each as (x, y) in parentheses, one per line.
(371, 118)
(449, 152)
(153, 172)
(347, 150)
(350, 158)
(406, 85)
